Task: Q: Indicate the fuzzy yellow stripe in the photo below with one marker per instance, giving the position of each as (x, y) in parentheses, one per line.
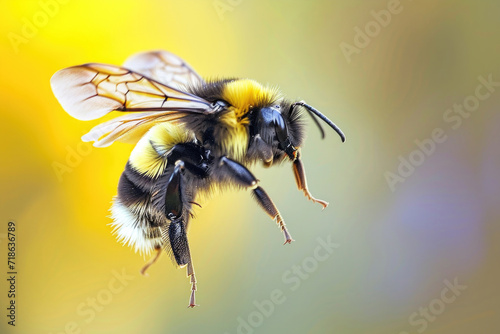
(245, 93)
(145, 159)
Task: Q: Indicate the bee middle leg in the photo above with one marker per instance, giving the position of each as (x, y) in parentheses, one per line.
(300, 178)
(242, 176)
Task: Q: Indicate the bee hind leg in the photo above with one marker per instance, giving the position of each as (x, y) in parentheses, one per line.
(242, 176)
(190, 274)
(175, 232)
(152, 260)
(300, 178)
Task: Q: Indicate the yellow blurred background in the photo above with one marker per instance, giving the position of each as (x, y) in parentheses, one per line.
(416, 250)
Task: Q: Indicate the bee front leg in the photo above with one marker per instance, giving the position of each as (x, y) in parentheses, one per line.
(242, 176)
(300, 178)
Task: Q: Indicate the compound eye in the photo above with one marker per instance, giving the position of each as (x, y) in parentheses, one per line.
(271, 117)
(280, 127)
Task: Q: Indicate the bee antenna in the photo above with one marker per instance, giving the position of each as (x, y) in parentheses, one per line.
(313, 111)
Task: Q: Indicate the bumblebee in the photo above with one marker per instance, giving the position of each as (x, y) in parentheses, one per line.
(193, 137)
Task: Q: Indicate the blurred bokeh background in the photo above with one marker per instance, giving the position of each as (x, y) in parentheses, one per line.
(400, 242)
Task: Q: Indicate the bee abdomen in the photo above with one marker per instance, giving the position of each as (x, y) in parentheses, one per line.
(133, 187)
(137, 220)
(133, 227)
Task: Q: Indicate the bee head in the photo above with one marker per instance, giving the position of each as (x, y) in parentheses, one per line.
(278, 130)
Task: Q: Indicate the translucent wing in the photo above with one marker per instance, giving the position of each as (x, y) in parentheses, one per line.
(91, 91)
(164, 67)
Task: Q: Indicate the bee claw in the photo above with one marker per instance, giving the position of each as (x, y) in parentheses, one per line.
(192, 302)
(288, 237)
(324, 204)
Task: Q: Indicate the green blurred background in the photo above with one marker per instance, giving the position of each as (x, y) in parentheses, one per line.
(395, 248)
